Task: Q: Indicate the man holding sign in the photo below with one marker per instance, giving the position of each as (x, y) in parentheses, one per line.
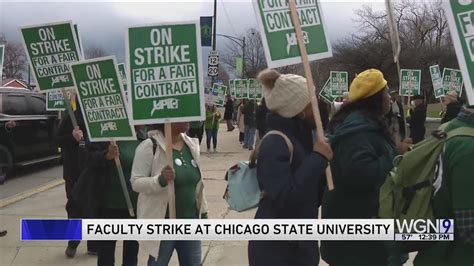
(102, 99)
(166, 86)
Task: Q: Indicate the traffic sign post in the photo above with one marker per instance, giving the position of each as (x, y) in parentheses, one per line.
(213, 64)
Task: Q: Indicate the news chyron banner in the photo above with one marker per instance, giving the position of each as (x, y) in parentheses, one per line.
(239, 229)
(50, 49)
(164, 64)
(102, 99)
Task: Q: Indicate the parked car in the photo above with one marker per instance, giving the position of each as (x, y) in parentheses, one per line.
(30, 141)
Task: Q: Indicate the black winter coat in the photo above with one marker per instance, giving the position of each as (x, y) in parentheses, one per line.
(70, 151)
(417, 123)
(229, 109)
(88, 191)
(293, 191)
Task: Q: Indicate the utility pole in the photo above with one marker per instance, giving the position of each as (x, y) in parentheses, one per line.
(243, 57)
(214, 32)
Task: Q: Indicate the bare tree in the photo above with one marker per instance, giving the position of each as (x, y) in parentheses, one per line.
(94, 52)
(14, 62)
(254, 54)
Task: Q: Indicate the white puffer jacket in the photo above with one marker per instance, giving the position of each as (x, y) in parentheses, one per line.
(152, 198)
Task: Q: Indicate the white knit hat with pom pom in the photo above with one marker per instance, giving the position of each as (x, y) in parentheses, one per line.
(285, 94)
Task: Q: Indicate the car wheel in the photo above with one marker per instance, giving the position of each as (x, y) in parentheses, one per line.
(6, 163)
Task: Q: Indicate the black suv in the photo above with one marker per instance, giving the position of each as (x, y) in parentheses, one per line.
(31, 140)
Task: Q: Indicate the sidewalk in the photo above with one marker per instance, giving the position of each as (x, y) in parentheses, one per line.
(50, 204)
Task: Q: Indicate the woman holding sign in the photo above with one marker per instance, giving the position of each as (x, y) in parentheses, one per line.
(363, 155)
(150, 177)
(290, 169)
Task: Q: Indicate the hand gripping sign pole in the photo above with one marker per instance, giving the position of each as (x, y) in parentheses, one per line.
(309, 82)
(69, 107)
(118, 164)
(169, 160)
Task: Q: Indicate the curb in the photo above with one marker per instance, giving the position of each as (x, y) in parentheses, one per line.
(28, 193)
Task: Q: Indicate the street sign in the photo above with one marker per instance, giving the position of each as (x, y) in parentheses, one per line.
(338, 83)
(232, 87)
(278, 33)
(102, 99)
(165, 73)
(460, 16)
(452, 80)
(410, 82)
(437, 81)
(55, 100)
(206, 31)
(213, 64)
(219, 92)
(325, 92)
(50, 49)
(2, 51)
(239, 66)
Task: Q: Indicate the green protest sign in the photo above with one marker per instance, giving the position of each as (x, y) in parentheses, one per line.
(460, 16)
(437, 81)
(255, 89)
(55, 100)
(338, 83)
(165, 73)
(2, 51)
(452, 80)
(219, 92)
(278, 33)
(244, 83)
(239, 88)
(50, 49)
(325, 92)
(123, 76)
(410, 82)
(208, 96)
(232, 87)
(102, 97)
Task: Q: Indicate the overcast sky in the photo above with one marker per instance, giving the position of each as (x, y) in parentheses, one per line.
(103, 24)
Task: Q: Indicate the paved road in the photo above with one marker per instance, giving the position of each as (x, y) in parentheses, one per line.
(29, 178)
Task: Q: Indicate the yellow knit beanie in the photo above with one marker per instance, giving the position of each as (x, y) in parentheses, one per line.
(366, 84)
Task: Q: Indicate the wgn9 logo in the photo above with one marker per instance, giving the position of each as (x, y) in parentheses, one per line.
(424, 230)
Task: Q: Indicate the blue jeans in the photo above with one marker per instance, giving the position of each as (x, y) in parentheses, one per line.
(249, 137)
(189, 253)
(211, 134)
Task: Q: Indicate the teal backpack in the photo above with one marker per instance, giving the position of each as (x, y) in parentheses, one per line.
(408, 190)
(243, 191)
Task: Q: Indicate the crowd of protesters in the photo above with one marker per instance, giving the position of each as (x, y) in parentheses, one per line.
(360, 147)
